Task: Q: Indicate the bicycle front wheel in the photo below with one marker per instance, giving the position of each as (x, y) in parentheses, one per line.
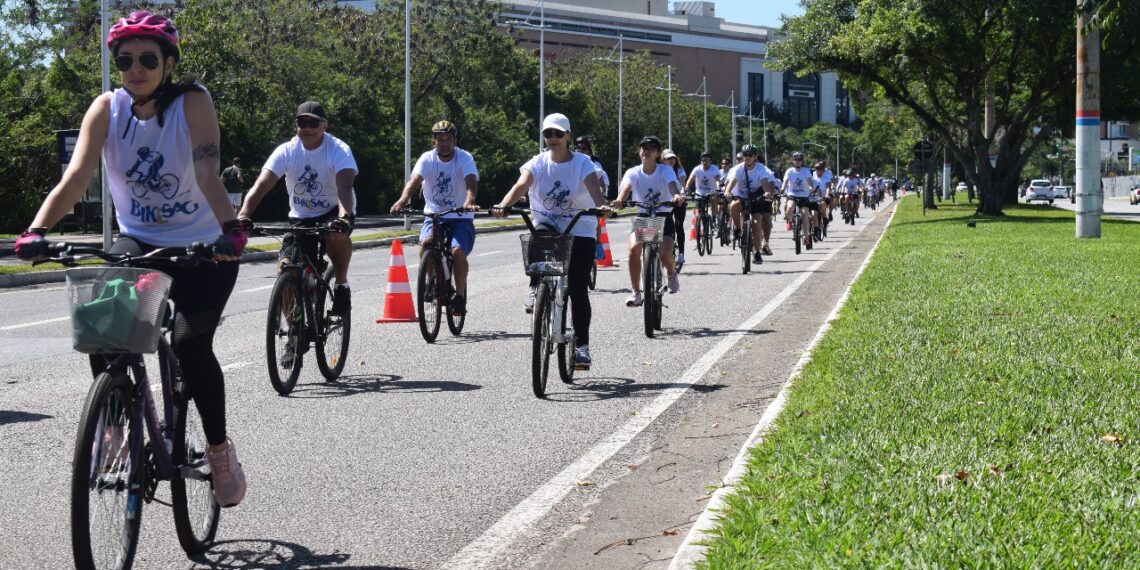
(796, 229)
(746, 244)
(429, 284)
(566, 348)
(332, 333)
(706, 233)
(107, 476)
(454, 322)
(649, 287)
(285, 333)
(196, 512)
(540, 341)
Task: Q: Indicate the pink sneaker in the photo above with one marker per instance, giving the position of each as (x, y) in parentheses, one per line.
(229, 479)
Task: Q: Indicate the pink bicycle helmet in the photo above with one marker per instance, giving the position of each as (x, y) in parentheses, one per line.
(145, 25)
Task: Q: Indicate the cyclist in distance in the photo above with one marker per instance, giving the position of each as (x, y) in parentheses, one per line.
(651, 181)
(175, 120)
(706, 179)
(821, 183)
(672, 161)
(439, 172)
(751, 179)
(319, 172)
(560, 167)
(798, 185)
(584, 145)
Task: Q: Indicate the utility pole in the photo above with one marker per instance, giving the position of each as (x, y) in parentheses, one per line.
(732, 116)
(621, 93)
(106, 190)
(945, 172)
(541, 60)
(669, 87)
(407, 99)
(703, 93)
(1089, 194)
(837, 171)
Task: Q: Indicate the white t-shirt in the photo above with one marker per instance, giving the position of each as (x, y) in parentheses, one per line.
(558, 191)
(797, 181)
(851, 184)
(310, 175)
(602, 176)
(706, 179)
(153, 184)
(652, 187)
(819, 184)
(445, 185)
(748, 180)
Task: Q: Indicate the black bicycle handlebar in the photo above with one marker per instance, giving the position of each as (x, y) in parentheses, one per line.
(69, 254)
(525, 214)
(434, 215)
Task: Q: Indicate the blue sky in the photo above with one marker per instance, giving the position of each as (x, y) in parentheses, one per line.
(757, 12)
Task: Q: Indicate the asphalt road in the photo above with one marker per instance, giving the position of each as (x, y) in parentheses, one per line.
(423, 456)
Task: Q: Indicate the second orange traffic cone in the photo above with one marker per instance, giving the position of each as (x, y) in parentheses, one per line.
(398, 306)
(693, 225)
(608, 260)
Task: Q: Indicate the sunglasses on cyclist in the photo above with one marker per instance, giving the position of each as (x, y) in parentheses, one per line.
(308, 123)
(147, 60)
(553, 134)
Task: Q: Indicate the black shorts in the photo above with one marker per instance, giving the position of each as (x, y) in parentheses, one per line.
(308, 243)
(760, 206)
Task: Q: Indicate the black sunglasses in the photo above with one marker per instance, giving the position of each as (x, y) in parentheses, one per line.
(553, 133)
(124, 62)
(308, 123)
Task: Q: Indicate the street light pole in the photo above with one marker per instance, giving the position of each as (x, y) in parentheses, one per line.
(837, 151)
(703, 92)
(732, 116)
(853, 153)
(621, 76)
(407, 99)
(541, 60)
(669, 87)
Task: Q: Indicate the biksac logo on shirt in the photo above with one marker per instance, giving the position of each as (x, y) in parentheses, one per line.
(307, 183)
(443, 195)
(149, 183)
(556, 197)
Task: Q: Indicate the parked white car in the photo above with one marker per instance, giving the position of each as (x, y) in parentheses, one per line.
(1040, 189)
(1063, 192)
(1134, 196)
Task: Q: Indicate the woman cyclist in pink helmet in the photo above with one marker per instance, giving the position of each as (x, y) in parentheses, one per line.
(171, 195)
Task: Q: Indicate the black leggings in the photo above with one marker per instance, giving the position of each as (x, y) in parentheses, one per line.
(199, 293)
(578, 286)
(679, 223)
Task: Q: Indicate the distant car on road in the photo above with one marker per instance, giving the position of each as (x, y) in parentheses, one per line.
(1063, 192)
(961, 187)
(1134, 195)
(1040, 189)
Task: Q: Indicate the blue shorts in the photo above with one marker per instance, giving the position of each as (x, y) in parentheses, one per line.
(462, 232)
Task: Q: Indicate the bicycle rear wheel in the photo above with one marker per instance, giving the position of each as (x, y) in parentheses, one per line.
(429, 284)
(649, 286)
(540, 341)
(706, 233)
(699, 223)
(285, 333)
(196, 513)
(332, 333)
(566, 349)
(659, 293)
(107, 476)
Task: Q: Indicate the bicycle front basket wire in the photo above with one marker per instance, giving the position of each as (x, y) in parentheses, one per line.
(546, 253)
(649, 230)
(116, 308)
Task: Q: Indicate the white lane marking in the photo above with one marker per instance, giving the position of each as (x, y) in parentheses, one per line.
(691, 551)
(32, 324)
(32, 290)
(235, 366)
(256, 289)
(488, 253)
(483, 551)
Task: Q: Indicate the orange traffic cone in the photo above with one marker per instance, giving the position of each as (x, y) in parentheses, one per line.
(398, 300)
(693, 225)
(608, 260)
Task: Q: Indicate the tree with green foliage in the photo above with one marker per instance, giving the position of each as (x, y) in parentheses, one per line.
(935, 58)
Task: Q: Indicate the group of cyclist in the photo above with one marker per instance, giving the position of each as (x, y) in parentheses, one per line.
(175, 123)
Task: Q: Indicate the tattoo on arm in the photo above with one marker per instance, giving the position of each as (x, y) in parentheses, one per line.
(203, 152)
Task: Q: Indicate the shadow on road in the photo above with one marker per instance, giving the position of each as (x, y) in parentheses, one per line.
(16, 417)
(705, 332)
(377, 383)
(606, 388)
(469, 337)
(257, 554)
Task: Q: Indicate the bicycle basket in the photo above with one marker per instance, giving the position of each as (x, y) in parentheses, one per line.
(116, 308)
(546, 253)
(649, 230)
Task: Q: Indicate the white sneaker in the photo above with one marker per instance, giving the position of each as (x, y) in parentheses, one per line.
(674, 283)
(528, 304)
(228, 477)
(634, 300)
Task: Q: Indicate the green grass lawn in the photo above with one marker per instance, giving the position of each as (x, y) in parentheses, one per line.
(974, 406)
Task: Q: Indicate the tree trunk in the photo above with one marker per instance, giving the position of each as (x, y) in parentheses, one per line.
(928, 191)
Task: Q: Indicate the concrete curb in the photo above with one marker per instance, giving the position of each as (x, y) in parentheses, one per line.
(57, 276)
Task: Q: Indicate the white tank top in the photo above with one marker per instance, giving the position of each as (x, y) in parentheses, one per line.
(151, 173)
